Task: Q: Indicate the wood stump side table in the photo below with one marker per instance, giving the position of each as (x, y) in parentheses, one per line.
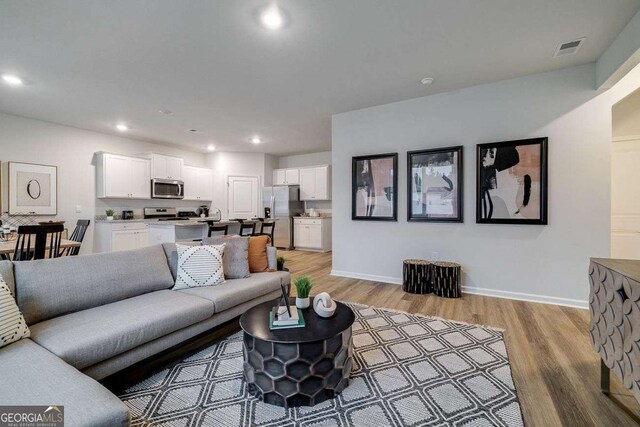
(416, 276)
(446, 279)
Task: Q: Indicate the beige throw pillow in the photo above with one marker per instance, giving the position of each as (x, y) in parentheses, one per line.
(12, 324)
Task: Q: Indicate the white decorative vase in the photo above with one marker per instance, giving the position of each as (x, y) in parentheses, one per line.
(109, 218)
(302, 303)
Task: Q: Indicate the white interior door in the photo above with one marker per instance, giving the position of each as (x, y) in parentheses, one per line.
(243, 196)
(625, 199)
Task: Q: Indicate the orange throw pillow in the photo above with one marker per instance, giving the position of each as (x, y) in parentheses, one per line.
(258, 261)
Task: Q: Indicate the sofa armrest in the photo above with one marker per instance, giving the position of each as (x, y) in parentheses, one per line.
(272, 254)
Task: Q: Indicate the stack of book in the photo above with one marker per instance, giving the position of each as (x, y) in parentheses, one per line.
(281, 318)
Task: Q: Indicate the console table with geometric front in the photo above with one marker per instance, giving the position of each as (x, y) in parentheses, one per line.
(614, 305)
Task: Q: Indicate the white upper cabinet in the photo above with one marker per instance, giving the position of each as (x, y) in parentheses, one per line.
(286, 177)
(292, 176)
(307, 184)
(167, 167)
(279, 177)
(315, 183)
(198, 183)
(123, 177)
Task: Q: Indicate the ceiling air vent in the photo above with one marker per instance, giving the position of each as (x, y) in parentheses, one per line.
(569, 48)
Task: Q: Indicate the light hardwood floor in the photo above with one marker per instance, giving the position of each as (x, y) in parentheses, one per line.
(555, 370)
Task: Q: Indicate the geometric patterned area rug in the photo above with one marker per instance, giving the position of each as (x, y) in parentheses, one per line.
(409, 370)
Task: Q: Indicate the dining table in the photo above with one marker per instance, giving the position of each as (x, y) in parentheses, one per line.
(8, 247)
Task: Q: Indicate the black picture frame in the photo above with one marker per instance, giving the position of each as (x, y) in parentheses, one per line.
(357, 185)
(458, 185)
(485, 175)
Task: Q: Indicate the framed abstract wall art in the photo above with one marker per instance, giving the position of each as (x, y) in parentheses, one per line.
(434, 185)
(374, 187)
(33, 189)
(512, 182)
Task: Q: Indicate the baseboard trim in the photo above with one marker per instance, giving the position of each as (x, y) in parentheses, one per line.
(371, 277)
(519, 296)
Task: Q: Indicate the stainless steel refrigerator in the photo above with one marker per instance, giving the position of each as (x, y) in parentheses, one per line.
(283, 203)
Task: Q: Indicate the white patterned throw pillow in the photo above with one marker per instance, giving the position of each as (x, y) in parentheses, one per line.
(12, 324)
(199, 266)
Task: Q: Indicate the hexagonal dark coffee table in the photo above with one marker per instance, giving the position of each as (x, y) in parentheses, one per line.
(298, 366)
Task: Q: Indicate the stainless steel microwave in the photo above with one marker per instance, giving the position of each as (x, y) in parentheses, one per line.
(167, 189)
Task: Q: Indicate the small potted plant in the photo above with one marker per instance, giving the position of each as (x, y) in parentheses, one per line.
(303, 288)
(280, 263)
(110, 213)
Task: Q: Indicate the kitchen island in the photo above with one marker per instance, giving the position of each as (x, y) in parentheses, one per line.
(128, 234)
(187, 230)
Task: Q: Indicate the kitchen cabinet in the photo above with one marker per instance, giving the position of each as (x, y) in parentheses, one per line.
(167, 167)
(286, 177)
(198, 183)
(123, 177)
(112, 237)
(312, 234)
(315, 183)
(125, 240)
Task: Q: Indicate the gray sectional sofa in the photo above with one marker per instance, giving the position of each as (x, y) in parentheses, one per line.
(92, 316)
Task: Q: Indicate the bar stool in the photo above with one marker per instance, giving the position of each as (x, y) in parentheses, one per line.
(268, 229)
(247, 229)
(217, 229)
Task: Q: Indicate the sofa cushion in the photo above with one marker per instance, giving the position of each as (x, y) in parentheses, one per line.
(235, 292)
(54, 287)
(33, 376)
(6, 271)
(90, 336)
(12, 324)
(236, 255)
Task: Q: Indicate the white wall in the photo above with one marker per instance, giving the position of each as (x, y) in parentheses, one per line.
(72, 151)
(546, 263)
(626, 116)
(302, 160)
(225, 164)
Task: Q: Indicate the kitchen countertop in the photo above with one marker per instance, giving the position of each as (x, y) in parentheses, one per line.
(185, 223)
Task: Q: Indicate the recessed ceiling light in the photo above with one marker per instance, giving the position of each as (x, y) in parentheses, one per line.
(272, 18)
(211, 147)
(12, 80)
(196, 131)
(165, 112)
(122, 127)
(256, 140)
(427, 81)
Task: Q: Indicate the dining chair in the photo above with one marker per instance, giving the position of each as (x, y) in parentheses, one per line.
(247, 228)
(77, 236)
(217, 229)
(267, 229)
(38, 242)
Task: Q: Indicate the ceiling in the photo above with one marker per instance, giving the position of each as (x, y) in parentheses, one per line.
(93, 63)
